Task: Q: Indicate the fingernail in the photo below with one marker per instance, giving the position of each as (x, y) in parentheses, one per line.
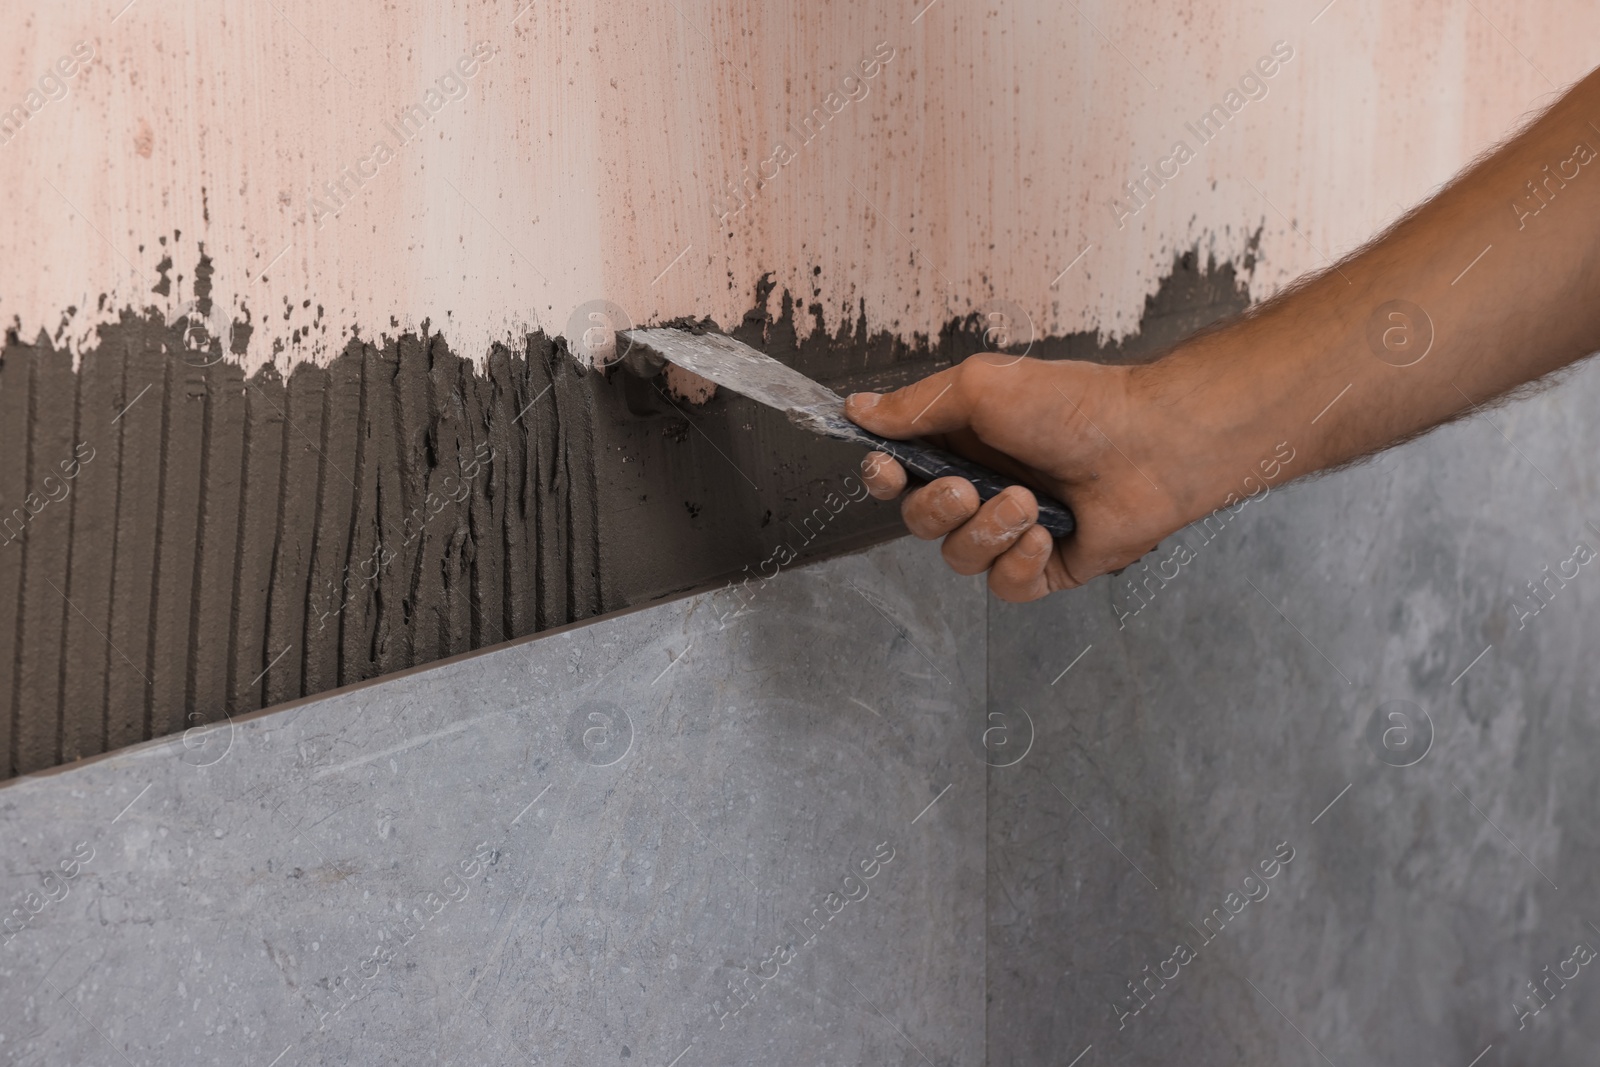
(865, 401)
(947, 504)
(1013, 515)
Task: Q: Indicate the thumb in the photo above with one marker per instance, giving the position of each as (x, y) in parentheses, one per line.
(937, 404)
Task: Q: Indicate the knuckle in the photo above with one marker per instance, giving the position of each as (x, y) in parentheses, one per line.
(984, 364)
(976, 363)
(971, 368)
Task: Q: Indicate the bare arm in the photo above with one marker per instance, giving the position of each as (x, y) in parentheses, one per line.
(1416, 328)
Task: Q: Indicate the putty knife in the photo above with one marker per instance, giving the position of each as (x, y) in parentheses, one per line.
(813, 406)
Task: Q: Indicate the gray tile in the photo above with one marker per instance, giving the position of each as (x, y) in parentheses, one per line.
(565, 850)
(1225, 716)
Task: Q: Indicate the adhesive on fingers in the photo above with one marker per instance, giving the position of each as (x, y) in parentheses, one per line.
(993, 539)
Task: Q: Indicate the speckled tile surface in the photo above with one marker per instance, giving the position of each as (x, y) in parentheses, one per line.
(736, 828)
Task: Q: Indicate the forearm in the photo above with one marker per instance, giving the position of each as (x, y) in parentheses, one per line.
(1410, 331)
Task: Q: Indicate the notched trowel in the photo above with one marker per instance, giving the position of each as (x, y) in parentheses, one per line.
(813, 406)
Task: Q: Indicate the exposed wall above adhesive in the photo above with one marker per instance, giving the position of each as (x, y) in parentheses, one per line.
(357, 169)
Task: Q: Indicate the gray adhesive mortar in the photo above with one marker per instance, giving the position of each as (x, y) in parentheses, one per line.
(238, 542)
(698, 515)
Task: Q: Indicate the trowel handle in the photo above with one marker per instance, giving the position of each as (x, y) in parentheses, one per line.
(928, 463)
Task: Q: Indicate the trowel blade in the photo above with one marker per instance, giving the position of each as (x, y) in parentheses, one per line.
(736, 366)
(812, 406)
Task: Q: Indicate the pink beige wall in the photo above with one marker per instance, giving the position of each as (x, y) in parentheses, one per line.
(588, 157)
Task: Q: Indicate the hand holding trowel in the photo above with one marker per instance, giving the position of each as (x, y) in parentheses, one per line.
(808, 404)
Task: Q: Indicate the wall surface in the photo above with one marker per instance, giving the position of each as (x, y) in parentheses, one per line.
(596, 151)
(1389, 673)
(286, 271)
(216, 209)
(722, 830)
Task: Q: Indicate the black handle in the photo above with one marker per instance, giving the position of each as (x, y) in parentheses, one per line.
(929, 463)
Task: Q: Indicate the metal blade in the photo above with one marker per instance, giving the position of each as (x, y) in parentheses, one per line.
(735, 365)
(813, 406)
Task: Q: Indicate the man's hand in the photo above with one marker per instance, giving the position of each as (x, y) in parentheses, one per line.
(1063, 428)
(1490, 285)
